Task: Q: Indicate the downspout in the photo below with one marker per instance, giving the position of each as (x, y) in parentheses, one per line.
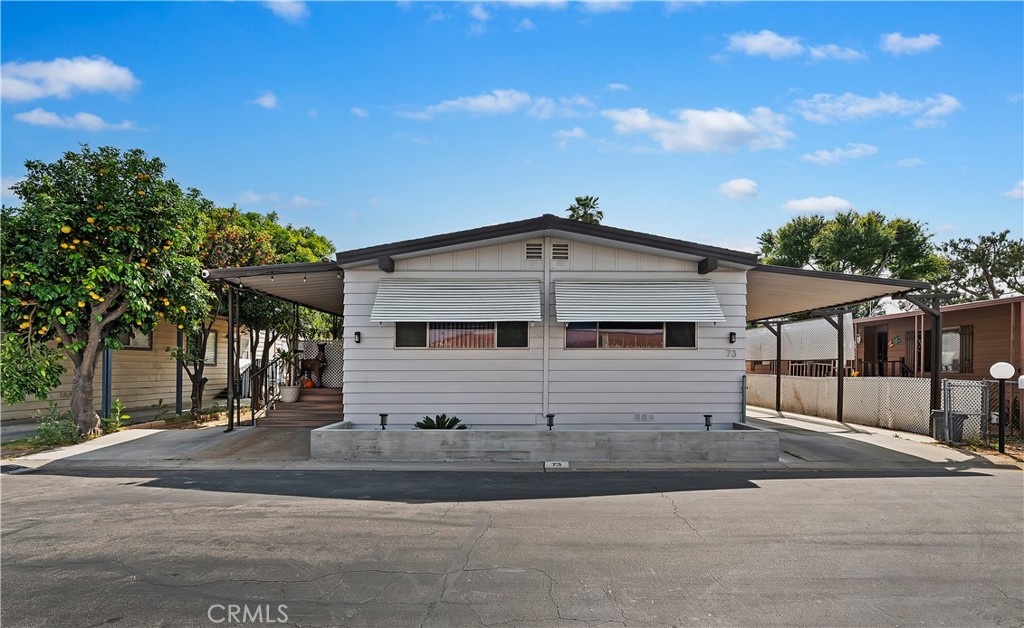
(545, 316)
(107, 398)
(178, 367)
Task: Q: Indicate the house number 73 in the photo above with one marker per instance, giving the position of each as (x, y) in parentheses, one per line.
(730, 353)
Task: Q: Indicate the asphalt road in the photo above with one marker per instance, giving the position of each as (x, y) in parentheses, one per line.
(932, 547)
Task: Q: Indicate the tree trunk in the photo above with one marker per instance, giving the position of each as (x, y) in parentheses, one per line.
(198, 386)
(82, 410)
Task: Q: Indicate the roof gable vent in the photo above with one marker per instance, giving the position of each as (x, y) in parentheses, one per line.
(534, 250)
(560, 251)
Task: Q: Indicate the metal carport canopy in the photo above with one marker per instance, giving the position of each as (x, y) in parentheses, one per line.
(777, 291)
(318, 285)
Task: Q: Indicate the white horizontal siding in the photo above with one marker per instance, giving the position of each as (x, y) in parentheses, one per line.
(505, 385)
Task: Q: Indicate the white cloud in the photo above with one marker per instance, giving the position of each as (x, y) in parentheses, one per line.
(575, 133)
(359, 112)
(302, 202)
(534, 4)
(829, 157)
(604, 6)
(617, 87)
(506, 101)
(496, 101)
(525, 24)
(569, 107)
(293, 11)
(5, 186)
(824, 108)
(910, 162)
(63, 78)
(715, 130)
(896, 44)
(1017, 192)
(267, 100)
(766, 44)
(739, 189)
(374, 202)
(774, 46)
(832, 51)
(816, 204)
(479, 13)
(273, 200)
(81, 121)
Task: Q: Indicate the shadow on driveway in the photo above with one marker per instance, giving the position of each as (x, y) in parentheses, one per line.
(473, 486)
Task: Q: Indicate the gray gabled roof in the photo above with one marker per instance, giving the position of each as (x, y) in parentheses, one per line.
(539, 226)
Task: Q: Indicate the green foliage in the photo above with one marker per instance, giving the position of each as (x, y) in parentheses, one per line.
(55, 430)
(102, 245)
(440, 422)
(32, 368)
(585, 210)
(988, 267)
(115, 422)
(850, 242)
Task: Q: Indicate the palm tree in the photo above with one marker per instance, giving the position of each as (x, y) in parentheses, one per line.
(585, 210)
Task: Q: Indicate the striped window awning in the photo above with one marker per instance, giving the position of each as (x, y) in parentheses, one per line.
(417, 300)
(692, 301)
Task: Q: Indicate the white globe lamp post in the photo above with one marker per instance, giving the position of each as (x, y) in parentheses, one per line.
(1002, 371)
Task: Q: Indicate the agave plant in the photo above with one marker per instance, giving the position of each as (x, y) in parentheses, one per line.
(440, 422)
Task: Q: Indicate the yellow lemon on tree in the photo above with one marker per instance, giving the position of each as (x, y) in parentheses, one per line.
(181, 327)
(63, 245)
(65, 229)
(23, 325)
(72, 247)
(141, 193)
(76, 241)
(183, 309)
(90, 219)
(7, 282)
(102, 299)
(81, 304)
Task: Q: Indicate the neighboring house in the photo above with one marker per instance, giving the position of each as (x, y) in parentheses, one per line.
(974, 337)
(508, 323)
(143, 376)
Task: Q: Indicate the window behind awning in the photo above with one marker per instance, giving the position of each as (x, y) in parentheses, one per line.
(417, 300)
(692, 301)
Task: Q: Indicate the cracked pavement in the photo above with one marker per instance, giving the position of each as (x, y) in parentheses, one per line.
(123, 547)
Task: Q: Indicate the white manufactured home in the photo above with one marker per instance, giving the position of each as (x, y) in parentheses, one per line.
(507, 324)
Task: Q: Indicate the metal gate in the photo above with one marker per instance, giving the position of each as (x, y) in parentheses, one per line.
(965, 410)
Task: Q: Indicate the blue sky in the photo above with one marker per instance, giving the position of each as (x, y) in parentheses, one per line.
(375, 122)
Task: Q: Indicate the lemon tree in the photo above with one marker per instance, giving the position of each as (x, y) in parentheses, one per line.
(102, 246)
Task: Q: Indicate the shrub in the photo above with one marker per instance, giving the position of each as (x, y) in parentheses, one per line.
(440, 422)
(56, 429)
(115, 422)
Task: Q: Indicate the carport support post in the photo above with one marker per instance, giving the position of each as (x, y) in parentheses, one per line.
(237, 339)
(778, 364)
(931, 304)
(840, 362)
(106, 399)
(231, 358)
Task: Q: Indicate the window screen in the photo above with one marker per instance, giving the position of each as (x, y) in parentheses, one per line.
(410, 334)
(681, 335)
(513, 334)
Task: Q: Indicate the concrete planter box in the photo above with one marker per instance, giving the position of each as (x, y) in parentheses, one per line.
(741, 443)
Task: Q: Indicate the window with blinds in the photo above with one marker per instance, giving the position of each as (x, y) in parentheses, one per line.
(462, 335)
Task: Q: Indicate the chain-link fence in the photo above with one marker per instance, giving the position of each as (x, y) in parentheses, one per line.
(964, 404)
(1014, 409)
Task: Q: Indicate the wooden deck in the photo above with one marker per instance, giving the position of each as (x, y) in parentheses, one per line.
(316, 407)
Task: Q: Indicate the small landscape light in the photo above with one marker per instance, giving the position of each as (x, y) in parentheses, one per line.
(707, 422)
(383, 421)
(551, 421)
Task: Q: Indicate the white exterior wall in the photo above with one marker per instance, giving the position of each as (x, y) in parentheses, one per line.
(502, 386)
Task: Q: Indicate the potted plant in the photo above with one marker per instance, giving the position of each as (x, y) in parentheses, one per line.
(290, 388)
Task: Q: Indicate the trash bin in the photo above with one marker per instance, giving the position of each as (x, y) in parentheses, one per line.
(939, 432)
(956, 427)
